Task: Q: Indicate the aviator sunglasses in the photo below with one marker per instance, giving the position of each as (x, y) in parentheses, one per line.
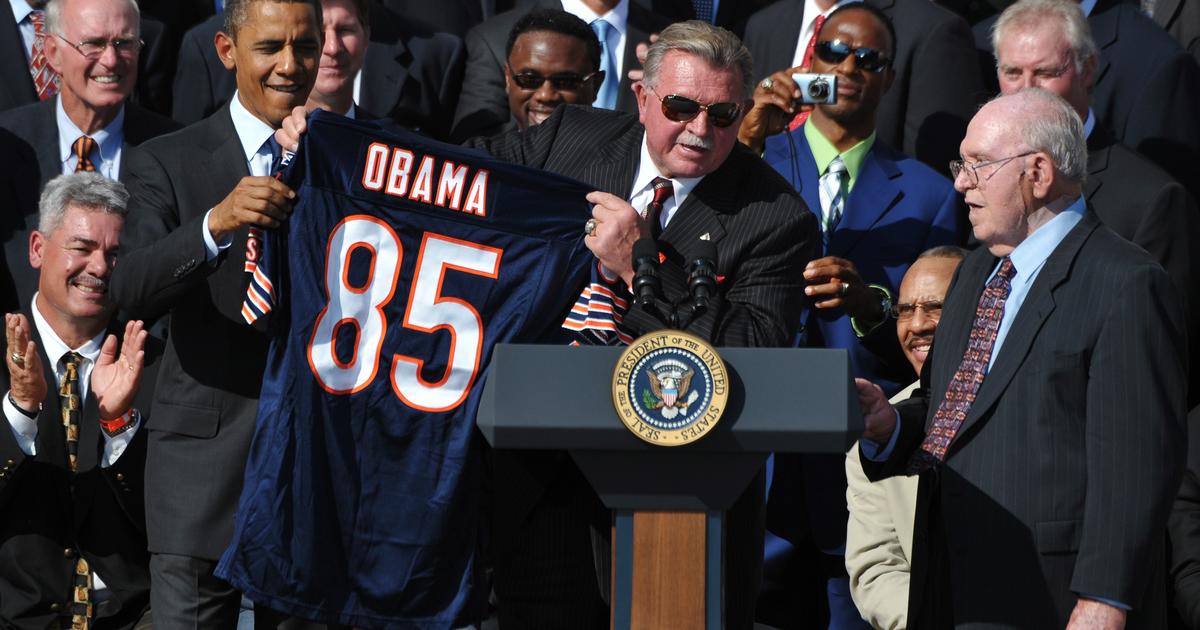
(683, 109)
(563, 82)
(836, 51)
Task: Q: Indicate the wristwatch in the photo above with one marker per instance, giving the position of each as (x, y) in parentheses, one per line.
(25, 412)
(885, 301)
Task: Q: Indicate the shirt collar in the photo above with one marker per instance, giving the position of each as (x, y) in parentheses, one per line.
(811, 11)
(647, 171)
(1031, 253)
(108, 139)
(616, 18)
(251, 131)
(20, 9)
(823, 151)
(1089, 124)
(54, 346)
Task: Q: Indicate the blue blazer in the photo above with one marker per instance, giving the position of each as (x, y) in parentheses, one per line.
(899, 208)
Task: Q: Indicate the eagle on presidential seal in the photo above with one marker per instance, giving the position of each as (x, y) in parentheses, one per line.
(670, 388)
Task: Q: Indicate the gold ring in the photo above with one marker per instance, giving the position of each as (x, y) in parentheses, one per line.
(18, 359)
(589, 228)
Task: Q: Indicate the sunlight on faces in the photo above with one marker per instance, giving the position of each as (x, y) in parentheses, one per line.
(547, 53)
(926, 281)
(275, 53)
(74, 262)
(695, 147)
(344, 50)
(108, 80)
(1041, 57)
(859, 91)
(999, 206)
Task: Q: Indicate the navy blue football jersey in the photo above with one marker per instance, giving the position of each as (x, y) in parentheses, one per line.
(403, 263)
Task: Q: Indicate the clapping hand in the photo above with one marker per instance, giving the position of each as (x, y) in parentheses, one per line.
(115, 378)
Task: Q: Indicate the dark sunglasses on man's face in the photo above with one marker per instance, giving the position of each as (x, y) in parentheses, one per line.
(682, 109)
(563, 82)
(836, 51)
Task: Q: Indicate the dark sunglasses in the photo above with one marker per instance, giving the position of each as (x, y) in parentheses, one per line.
(564, 82)
(836, 51)
(682, 109)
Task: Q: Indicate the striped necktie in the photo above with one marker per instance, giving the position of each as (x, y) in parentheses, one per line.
(663, 190)
(960, 394)
(83, 148)
(45, 79)
(833, 196)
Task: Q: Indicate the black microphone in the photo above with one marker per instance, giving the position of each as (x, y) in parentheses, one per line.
(646, 283)
(702, 275)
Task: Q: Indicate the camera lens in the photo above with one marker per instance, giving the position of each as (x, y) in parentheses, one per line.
(818, 90)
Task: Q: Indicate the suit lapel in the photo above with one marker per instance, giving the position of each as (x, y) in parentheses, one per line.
(804, 176)
(1036, 308)
(617, 164)
(1097, 163)
(384, 70)
(874, 195)
(783, 43)
(13, 66)
(696, 219)
(45, 134)
(1165, 11)
(1104, 31)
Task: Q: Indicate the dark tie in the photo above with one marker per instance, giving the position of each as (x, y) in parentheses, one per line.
(806, 61)
(276, 154)
(72, 407)
(663, 190)
(703, 10)
(83, 148)
(45, 79)
(971, 371)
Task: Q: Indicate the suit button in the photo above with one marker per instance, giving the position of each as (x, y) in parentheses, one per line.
(120, 476)
(10, 463)
(68, 553)
(55, 607)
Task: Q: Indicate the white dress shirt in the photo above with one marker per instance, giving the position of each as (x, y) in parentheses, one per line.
(643, 192)
(109, 141)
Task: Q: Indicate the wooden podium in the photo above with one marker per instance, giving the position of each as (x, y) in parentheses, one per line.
(669, 502)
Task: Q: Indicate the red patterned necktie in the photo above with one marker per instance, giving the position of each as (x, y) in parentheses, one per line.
(45, 79)
(807, 63)
(83, 148)
(663, 190)
(971, 371)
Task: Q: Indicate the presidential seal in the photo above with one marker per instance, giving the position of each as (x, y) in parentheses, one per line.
(670, 387)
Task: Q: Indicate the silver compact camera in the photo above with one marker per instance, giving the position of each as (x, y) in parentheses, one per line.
(816, 88)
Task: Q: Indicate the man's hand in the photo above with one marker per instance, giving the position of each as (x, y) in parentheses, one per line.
(26, 380)
(772, 109)
(641, 50)
(115, 379)
(834, 283)
(261, 201)
(618, 227)
(878, 414)
(1090, 614)
(294, 126)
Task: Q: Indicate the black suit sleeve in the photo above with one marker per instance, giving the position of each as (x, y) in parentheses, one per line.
(482, 104)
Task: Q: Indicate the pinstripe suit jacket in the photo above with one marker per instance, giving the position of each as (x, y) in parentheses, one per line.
(763, 231)
(1061, 476)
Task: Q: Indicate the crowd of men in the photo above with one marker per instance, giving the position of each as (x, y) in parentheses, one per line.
(993, 217)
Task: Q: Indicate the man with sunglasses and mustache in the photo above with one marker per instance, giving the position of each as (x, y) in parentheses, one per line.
(553, 58)
(879, 210)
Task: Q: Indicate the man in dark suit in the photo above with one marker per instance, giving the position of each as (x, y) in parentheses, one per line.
(1146, 87)
(764, 235)
(1034, 507)
(411, 73)
(195, 194)
(89, 112)
(1129, 193)
(482, 107)
(880, 209)
(730, 14)
(72, 532)
(16, 43)
(937, 85)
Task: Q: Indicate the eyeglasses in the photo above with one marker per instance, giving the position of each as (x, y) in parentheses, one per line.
(91, 49)
(563, 81)
(972, 170)
(683, 109)
(905, 312)
(836, 51)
